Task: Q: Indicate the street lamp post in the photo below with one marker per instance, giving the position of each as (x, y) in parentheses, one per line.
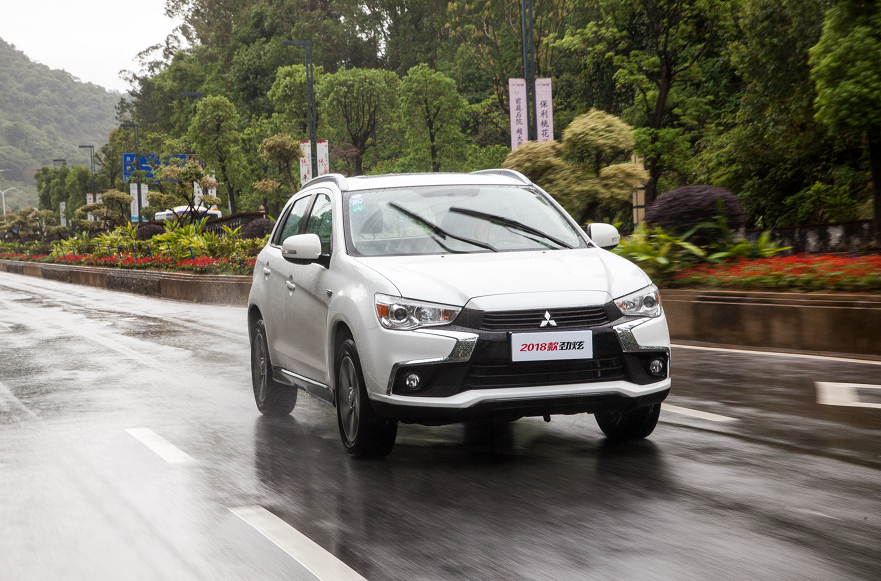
(137, 164)
(310, 94)
(4, 196)
(91, 149)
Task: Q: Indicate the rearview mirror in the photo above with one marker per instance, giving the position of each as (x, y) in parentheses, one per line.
(603, 235)
(301, 247)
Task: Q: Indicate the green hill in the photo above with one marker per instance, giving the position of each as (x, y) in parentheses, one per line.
(44, 115)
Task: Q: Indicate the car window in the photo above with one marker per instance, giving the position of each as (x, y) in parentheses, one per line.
(320, 222)
(291, 226)
(453, 219)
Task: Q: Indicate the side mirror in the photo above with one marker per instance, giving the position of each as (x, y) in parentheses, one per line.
(603, 235)
(301, 247)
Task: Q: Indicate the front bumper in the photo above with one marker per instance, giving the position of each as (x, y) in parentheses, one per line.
(468, 373)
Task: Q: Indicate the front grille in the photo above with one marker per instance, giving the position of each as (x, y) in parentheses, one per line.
(489, 375)
(531, 320)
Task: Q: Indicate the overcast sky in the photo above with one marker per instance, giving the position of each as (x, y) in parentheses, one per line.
(91, 39)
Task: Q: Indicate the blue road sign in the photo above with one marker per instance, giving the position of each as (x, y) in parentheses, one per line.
(149, 164)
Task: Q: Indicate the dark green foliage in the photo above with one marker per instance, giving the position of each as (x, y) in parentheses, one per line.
(149, 230)
(257, 228)
(683, 208)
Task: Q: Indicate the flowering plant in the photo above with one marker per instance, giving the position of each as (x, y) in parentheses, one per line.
(821, 272)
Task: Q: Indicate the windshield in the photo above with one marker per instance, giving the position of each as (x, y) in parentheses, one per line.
(453, 219)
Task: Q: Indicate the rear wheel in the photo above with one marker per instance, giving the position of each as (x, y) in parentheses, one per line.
(272, 398)
(363, 434)
(634, 424)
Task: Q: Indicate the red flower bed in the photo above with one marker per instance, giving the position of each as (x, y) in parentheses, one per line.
(821, 272)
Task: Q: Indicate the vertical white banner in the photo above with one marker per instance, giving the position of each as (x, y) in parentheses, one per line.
(544, 110)
(90, 199)
(306, 162)
(519, 112)
(99, 197)
(62, 207)
(133, 192)
(323, 158)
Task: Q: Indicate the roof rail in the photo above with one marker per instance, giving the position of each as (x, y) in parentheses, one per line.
(504, 172)
(337, 178)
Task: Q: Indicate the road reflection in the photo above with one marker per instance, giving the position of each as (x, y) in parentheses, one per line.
(457, 505)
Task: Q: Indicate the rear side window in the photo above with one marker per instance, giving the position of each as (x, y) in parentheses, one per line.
(321, 222)
(291, 225)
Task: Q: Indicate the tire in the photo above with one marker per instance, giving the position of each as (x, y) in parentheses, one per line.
(634, 424)
(362, 433)
(272, 398)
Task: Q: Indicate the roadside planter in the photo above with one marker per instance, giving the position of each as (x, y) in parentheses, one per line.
(199, 288)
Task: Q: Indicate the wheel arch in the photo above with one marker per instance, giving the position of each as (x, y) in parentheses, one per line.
(254, 315)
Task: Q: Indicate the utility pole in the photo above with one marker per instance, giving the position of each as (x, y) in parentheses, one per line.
(528, 20)
(91, 149)
(310, 97)
(137, 164)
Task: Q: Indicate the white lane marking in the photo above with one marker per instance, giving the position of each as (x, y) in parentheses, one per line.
(168, 451)
(7, 398)
(778, 354)
(696, 413)
(843, 394)
(316, 560)
(814, 512)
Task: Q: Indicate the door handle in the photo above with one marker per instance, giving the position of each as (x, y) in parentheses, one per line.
(266, 271)
(291, 286)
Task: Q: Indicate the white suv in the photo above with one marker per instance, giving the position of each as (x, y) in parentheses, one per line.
(443, 298)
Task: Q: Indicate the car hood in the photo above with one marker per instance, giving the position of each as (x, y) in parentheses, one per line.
(456, 279)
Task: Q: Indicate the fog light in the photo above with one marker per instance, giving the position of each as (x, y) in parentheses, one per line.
(413, 381)
(656, 367)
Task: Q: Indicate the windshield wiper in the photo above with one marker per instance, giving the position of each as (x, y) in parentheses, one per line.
(438, 230)
(501, 220)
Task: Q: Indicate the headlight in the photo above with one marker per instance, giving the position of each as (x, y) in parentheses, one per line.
(404, 314)
(643, 303)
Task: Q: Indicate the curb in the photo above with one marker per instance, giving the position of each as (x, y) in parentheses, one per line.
(212, 289)
(829, 323)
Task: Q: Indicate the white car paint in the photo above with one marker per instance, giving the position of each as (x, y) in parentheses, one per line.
(301, 331)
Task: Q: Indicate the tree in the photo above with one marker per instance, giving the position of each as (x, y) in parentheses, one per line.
(587, 172)
(846, 67)
(179, 181)
(654, 46)
(288, 95)
(283, 151)
(357, 102)
(114, 209)
(433, 113)
(30, 222)
(214, 131)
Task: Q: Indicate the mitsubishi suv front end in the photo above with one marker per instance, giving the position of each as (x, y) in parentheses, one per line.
(444, 298)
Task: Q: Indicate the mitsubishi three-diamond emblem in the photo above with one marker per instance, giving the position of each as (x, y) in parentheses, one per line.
(548, 320)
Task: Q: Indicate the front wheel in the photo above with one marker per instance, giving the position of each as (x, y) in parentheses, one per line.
(634, 424)
(363, 434)
(272, 398)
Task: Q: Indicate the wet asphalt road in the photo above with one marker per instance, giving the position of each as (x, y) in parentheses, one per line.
(782, 488)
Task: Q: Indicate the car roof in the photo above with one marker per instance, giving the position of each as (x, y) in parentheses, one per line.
(487, 177)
